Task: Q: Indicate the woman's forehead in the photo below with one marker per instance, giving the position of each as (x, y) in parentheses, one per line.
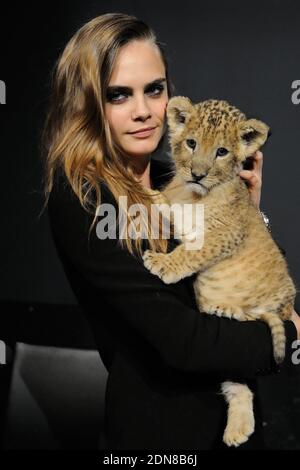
(137, 62)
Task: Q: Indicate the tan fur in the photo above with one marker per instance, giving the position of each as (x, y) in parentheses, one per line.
(241, 271)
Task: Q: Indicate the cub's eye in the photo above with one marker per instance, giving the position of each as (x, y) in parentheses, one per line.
(221, 152)
(191, 143)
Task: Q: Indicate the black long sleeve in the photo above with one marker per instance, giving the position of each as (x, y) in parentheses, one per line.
(184, 338)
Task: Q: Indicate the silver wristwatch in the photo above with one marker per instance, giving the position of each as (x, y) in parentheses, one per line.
(266, 220)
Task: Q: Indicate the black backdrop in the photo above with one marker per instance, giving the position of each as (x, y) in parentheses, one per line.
(246, 53)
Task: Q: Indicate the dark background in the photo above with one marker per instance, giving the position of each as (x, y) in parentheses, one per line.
(247, 53)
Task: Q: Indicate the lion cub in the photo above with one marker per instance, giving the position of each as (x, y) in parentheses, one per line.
(241, 271)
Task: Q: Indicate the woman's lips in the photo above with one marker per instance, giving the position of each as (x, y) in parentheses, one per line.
(145, 133)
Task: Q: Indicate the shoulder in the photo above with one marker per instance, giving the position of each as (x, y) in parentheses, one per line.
(62, 193)
(68, 219)
(65, 209)
(76, 232)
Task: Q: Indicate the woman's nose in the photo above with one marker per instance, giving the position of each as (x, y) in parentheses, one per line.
(141, 109)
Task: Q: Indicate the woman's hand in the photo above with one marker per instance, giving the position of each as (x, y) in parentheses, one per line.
(296, 320)
(254, 178)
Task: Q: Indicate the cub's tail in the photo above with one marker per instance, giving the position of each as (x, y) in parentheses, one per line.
(278, 334)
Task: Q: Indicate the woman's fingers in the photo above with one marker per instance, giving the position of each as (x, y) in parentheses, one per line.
(254, 177)
(258, 162)
(246, 174)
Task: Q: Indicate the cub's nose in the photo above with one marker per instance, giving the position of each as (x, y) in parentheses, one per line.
(198, 178)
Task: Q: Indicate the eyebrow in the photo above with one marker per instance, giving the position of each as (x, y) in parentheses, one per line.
(126, 89)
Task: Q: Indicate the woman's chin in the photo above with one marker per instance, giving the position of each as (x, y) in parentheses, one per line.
(141, 147)
(141, 150)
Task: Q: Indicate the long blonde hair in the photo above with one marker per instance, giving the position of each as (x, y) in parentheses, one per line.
(76, 135)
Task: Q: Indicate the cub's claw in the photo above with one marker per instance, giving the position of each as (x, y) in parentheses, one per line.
(239, 430)
(158, 264)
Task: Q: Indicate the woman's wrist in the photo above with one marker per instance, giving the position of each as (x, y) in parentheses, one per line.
(296, 320)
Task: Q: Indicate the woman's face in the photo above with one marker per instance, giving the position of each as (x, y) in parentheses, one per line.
(137, 98)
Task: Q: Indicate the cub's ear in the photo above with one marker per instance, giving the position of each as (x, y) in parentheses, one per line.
(252, 135)
(179, 111)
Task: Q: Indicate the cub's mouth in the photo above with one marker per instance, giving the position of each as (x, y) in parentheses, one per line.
(196, 187)
(198, 183)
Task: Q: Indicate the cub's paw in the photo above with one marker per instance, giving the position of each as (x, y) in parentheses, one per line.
(158, 264)
(225, 311)
(239, 429)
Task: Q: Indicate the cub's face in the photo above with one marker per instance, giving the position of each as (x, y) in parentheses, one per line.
(210, 141)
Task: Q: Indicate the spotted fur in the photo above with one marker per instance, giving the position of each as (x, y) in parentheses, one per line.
(241, 271)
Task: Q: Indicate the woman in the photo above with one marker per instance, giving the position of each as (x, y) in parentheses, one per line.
(165, 359)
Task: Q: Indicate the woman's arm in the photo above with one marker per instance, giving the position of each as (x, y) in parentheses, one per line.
(296, 320)
(185, 339)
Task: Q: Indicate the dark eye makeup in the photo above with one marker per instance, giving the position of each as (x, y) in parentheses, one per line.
(117, 94)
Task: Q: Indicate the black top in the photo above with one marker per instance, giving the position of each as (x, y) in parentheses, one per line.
(165, 359)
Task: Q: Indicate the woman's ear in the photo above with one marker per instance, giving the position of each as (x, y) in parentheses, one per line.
(252, 135)
(179, 111)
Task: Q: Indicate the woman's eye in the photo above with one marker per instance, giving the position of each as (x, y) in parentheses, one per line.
(155, 90)
(116, 97)
(221, 152)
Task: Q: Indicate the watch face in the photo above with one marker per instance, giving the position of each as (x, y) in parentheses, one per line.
(265, 219)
